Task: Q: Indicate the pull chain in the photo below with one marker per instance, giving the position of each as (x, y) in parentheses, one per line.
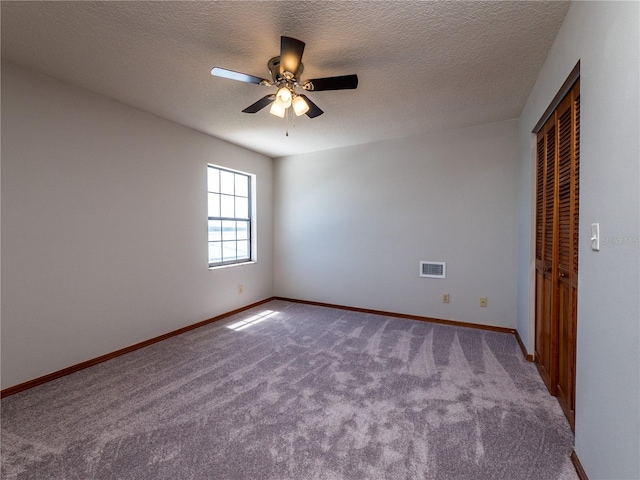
(293, 124)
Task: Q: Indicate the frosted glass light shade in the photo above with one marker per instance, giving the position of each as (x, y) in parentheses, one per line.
(300, 106)
(277, 110)
(283, 97)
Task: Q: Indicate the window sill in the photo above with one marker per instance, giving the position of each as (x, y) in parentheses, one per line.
(250, 262)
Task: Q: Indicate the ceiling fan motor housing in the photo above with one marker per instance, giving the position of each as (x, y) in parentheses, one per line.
(274, 69)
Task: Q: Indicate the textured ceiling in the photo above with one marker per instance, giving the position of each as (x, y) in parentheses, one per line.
(422, 65)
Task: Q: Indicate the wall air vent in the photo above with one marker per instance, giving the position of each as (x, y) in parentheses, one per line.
(433, 269)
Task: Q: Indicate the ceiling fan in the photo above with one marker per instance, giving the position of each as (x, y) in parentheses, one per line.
(285, 74)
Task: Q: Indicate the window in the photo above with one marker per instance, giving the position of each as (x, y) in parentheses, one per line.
(229, 197)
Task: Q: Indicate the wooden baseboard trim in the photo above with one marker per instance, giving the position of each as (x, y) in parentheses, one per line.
(454, 323)
(103, 358)
(528, 356)
(582, 475)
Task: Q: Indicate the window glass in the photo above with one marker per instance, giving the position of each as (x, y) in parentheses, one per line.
(242, 230)
(213, 180)
(227, 182)
(215, 230)
(242, 187)
(214, 205)
(242, 207)
(215, 252)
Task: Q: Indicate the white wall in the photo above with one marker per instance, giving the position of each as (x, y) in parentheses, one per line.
(353, 223)
(605, 37)
(104, 226)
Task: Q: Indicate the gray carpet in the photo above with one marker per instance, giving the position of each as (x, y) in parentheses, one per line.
(296, 392)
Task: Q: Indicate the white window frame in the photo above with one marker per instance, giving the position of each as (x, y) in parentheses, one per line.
(216, 216)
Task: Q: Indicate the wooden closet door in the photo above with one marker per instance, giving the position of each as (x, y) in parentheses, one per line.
(546, 324)
(557, 212)
(567, 200)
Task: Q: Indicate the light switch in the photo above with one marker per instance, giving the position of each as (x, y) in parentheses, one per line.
(595, 237)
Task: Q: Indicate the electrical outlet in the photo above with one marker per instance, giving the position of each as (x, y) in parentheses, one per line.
(483, 301)
(240, 288)
(445, 298)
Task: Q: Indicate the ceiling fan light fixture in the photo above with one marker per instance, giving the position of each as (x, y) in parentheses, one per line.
(283, 97)
(300, 106)
(285, 70)
(277, 110)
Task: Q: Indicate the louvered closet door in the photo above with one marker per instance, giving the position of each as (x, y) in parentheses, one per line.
(543, 338)
(568, 196)
(546, 325)
(557, 212)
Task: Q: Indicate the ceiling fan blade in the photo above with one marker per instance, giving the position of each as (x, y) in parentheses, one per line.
(231, 75)
(290, 55)
(314, 110)
(260, 104)
(343, 82)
